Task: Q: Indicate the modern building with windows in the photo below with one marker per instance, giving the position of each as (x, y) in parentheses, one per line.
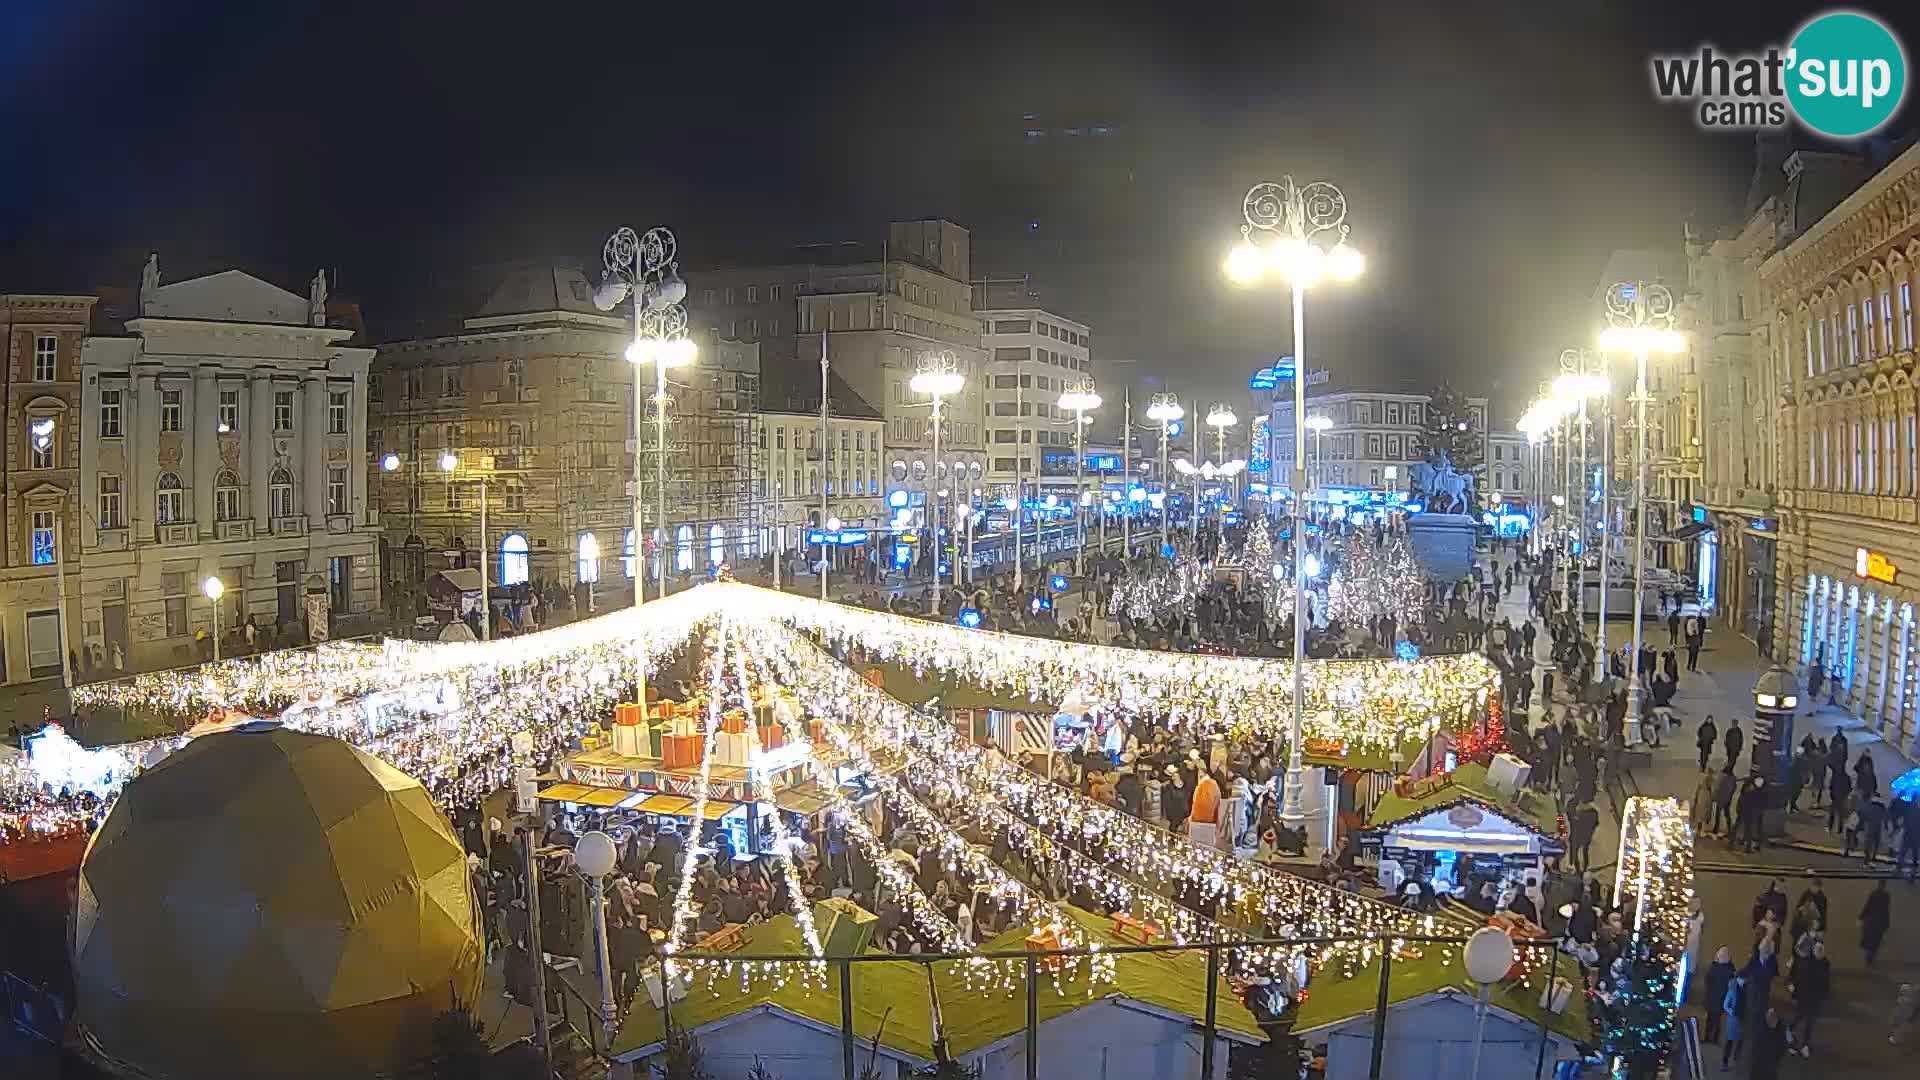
(1841, 300)
(1033, 355)
(1372, 441)
(222, 434)
(40, 340)
(793, 471)
(533, 398)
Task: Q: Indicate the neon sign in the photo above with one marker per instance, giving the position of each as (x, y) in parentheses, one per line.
(1874, 566)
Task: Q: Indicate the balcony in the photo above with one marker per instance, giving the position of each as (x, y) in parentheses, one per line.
(175, 533)
(241, 529)
(339, 524)
(113, 539)
(295, 525)
(599, 395)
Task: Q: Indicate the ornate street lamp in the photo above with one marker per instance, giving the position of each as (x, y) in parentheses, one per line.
(1640, 318)
(938, 377)
(1080, 400)
(1294, 223)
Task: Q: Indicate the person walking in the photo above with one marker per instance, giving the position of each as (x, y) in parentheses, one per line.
(1673, 627)
(1733, 1008)
(1720, 976)
(1734, 740)
(1772, 1041)
(1875, 916)
(1873, 821)
(1581, 825)
(1708, 735)
(1798, 773)
(1753, 805)
(1701, 811)
(1812, 982)
(1723, 793)
(1839, 795)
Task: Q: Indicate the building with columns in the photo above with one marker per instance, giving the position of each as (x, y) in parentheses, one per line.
(40, 342)
(222, 433)
(1840, 298)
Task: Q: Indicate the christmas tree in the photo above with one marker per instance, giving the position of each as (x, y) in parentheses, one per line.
(1635, 1010)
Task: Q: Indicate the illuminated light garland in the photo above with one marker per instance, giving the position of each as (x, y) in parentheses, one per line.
(1371, 579)
(763, 793)
(1294, 905)
(1655, 868)
(1369, 703)
(697, 814)
(1166, 587)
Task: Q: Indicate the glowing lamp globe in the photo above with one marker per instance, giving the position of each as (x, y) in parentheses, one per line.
(1489, 955)
(390, 462)
(267, 902)
(595, 855)
(1245, 264)
(448, 462)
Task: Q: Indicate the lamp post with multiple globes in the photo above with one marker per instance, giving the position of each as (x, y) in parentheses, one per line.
(1640, 318)
(449, 461)
(1293, 223)
(939, 378)
(1318, 424)
(1164, 410)
(1080, 400)
(644, 267)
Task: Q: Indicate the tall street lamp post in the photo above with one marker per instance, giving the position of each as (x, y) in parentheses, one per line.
(449, 462)
(644, 267)
(213, 588)
(1220, 417)
(1640, 318)
(594, 855)
(1294, 222)
(1164, 410)
(1080, 401)
(939, 377)
(1318, 424)
(1576, 388)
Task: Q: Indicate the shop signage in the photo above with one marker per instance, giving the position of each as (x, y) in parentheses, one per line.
(1874, 566)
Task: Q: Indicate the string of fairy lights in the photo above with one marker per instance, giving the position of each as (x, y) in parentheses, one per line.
(782, 851)
(983, 783)
(690, 861)
(1653, 878)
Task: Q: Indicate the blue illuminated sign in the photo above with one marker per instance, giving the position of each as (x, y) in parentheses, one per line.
(844, 538)
(1059, 583)
(897, 498)
(1265, 379)
(902, 555)
(1700, 514)
(945, 569)
(1174, 429)
(1166, 551)
(970, 618)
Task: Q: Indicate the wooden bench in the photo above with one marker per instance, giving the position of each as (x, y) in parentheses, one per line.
(729, 938)
(1128, 928)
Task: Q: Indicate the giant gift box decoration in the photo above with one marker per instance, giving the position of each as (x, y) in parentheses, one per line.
(683, 751)
(845, 928)
(629, 730)
(732, 748)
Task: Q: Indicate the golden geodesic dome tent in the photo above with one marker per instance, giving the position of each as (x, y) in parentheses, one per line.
(265, 902)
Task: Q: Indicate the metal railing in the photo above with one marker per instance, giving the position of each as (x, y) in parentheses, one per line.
(1547, 966)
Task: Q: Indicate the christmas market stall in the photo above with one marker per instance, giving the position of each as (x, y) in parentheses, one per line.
(1433, 1015)
(1451, 832)
(1139, 1025)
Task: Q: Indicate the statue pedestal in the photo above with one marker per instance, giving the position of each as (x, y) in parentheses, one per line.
(1443, 544)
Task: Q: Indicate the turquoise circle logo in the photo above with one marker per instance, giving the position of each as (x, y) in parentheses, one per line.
(1846, 74)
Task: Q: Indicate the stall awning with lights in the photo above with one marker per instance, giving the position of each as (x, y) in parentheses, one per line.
(806, 800)
(604, 797)
(565, 793)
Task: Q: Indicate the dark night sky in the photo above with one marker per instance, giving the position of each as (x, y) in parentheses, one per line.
(1492, 154)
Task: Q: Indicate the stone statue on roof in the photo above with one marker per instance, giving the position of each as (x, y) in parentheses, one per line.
(149, 278)
(317, 299)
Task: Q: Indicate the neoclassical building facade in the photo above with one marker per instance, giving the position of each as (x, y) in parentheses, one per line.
(1841, 298)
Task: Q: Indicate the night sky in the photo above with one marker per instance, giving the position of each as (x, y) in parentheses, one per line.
(1492, 155)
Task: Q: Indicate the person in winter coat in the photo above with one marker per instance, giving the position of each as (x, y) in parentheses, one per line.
(1753, 805)
(1872, 817)
(1812, 982)
(1798, 775)
(1701, 812)
(1733, 1008)
(1175, 800)
(1734, 740)
(1772, 1041)
(1723, 791)
(1581, 825)
(1875, 917)
(1865, 784)
(1708, 735)
(1720, 976)
(1840, 792)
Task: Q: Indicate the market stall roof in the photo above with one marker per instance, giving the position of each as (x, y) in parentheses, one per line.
(1332, 1001)
(896, 994)
(1369, 758)
(463, 580)
(900, 682)
(565, 792)
(605, 796)
(805, 799)
(1469, 786)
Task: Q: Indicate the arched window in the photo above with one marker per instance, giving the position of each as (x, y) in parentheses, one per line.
(658, 553)
(590, 372)
(516, 436)
(167, 499)
(513, 559)
(683, 548)
(746, 538)
(589, 558)
(716, 545)
(516, 379)
(280, 490)
(226, 496)
(627, 558)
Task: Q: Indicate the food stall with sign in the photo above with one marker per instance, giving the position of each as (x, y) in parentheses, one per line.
(1473, 823)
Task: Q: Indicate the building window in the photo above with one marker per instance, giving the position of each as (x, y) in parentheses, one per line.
(753, 294)
(174, 587)
(516, 379)
(283, 410)
(516, 436)
(336, 490)
(337, 412)
(453, 382)
(43, 538)
(456, 436)
(170, 410)
(229, 411)
(46, 356)
(716, 545)
(589, 560)
(626, 554)
(42, 443)
(1887, 344)
(110, 516)
(280, 493)
(1906, 315)
(109, 414)
(167, 499)
(340, 582)
(1866, 325)
(683, 546)
(226, 497)
(513, 559)
(516, 498)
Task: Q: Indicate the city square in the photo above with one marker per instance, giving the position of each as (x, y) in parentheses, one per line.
(1102, 578)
